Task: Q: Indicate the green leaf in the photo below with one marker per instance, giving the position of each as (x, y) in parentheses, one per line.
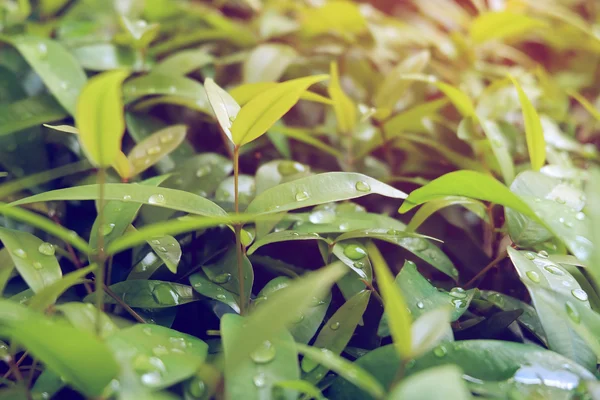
(149, 294)
(83, 316)
(433, 384)
(273, 361)
(358, 262)
(470, 184)
(536, 145)
(393, 86)
(99, 117)
(417, 244)
(160, 84)
(49, 294)
(106, 57)
(347, 370)
(429, 208)
(306, 322)
(242, 94)
(154, 356)
(156, 146)
(500, 149)
(59, 70)
(158, 197)
(265, 322)
(459, 99)
(394, 303)
(32, 111)
(430, 329)
(331, 219)
(337, 332)
(275, 172)
(259, 114)
(223, 105)
(78, 356)
(224, 271)
(303, 387)
(208, 288)
(183, 62)
(268, 62)
(425, 297)
(502, 25)
(536, 271)
(319, 189)
(33, 258)
(344, 107)
(284, 236)
(168, 249)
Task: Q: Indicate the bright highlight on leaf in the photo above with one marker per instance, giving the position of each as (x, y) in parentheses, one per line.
(536, 144)
(502, 25)
(223, 105)
(100, 119)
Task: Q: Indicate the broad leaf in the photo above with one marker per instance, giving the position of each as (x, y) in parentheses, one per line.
(433, 384)
(29, 112)
(149, 294)
(156, 146)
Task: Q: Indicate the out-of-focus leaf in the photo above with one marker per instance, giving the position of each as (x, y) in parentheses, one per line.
(275, 172)
(183, 62)
(344, 107)
(260, 113)
(284, 236)
(56, 66)
(156, 146)
(502, 25)
(429, 208)
(33, 258)
(268, 62)
(340, 17)
(536, 145)
(99, 117)
(208, 288)
(160, 84)
(319, 189)
(149, 294)
(83, 316)
(246, 92)
(273, 361)
(105, 57)
(29, 112)
(223, 105)
(435, 383)
(48, 295)
(500, 148)
(78, 356)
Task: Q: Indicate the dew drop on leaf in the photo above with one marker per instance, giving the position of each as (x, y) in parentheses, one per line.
(533, 276)
(580, 216)
(299, 318)
(362, 186)
(334, 326)
(554, 270)
(354, 252)
(46, 249)
(302, 196)
(107, 229)
(165, 295)
(579, 294)
(196, 388)
(259, 380)
(530, 256)
(288, 168)
(420, 305)
(543, 254)
(152, 151)
(203, 171)
(458, 293)
(221, 297)
(222, 278)
(158, 199)
(127, 198)
(440, 351)
(359, 264)
(166, 138)
(264, 354)
(572, 312)
(20, 253)
(37, 265)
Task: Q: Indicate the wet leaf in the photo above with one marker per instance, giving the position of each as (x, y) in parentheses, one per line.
(29, 112)
(208, 288)
(434, 383)
(267, 62)
(149, 294)
(223, 105)
(153, 148)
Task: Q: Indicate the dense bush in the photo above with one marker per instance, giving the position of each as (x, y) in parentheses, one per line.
(208, 199)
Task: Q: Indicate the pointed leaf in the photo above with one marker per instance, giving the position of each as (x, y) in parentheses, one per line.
(156, 146)
(149, 294)
(344, 107)
(502, 25)
(223, 105)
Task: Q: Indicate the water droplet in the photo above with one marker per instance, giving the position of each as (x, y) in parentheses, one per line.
(458, 293)
(157, 199)
(107, 229)
(160, 351)
(580, 216)
(127, 198)
(420, 305)
(166, 138)
(21, 253)
(362, 186)
(554, 270)
(165, 295)
(459, 303)
(344, 227)
(37, 265)
(454, 272)
(359, 264)
(64, 85)
(566, 283)
(42, 50)
(530, 256)
(152, 151)
(162, 249)
(299, 318)
(287, 168)
(440, 351)
(143, 364)
(196, 388)
(147, 331)
(203, 171)
(496, 299)
(302, 196)
(354, 252)
(45, 248)
(579, 294)
(543, 254)
(264, 354)
(222, 278)
(221, 297)
(259, 380)
(533, 276)
(334, 326)
(572, 312)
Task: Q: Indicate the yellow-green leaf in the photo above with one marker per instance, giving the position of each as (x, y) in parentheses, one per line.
(398, 315)
(99, 117)
(246, 92)
(344, 107)
(256, 117)
(502, 25)
(586, 104)
(536, 145)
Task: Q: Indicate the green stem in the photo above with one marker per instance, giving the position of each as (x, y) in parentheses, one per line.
(238, 229)
(101, 255)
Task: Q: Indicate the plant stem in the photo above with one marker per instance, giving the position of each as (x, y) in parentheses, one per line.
(119, 300)
(238, 229)
(372, 289)
(100, 256)
(481, 273)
